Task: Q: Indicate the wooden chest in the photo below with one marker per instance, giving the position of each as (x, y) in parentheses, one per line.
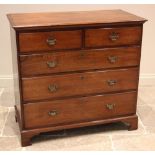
(75, 69)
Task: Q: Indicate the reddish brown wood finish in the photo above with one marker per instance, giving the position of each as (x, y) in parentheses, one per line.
(16, 78)
(37, 64)
(101, 37)
(79, 109)
(83, 43)
(79, 84)
(37, 41)
(26, 135)
(51, 19)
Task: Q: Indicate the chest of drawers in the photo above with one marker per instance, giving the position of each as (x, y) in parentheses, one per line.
(75, 69)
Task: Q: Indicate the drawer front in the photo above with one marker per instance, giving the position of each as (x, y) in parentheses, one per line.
(45, 41)
(49, 87)
(79, 60)
(113, 36)
(76, 110)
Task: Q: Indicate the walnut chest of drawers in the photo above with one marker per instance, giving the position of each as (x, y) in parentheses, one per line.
(75, 69)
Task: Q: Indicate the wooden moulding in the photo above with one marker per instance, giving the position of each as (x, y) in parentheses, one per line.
(84, 24)
(72, 19)
(26, 135)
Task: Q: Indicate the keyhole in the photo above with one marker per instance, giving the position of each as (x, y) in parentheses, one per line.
(81, 77)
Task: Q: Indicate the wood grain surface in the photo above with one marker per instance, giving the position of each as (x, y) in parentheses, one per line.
(49, 19)
(68, 85)
(79, 109)
(102, 37)
(57, 62)
(38, 41)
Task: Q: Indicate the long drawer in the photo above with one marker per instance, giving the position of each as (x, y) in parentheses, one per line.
(59, 112)
(50, 87)
(52, 40)
(79, 60)
(104, 37)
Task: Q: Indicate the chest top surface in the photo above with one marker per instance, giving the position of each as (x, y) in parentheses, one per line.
(52, 19)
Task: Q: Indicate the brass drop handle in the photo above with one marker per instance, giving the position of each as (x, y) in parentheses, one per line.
(51, 64)
(53, 113)
(52, 88)
(114, 36)
(51, 41)
(112, 82)
(110, 106)
(112, 59)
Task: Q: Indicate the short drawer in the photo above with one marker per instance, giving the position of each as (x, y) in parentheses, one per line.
(104, 37)
(79, 84)
(53, 40)
(79, 60)
(76, 110)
